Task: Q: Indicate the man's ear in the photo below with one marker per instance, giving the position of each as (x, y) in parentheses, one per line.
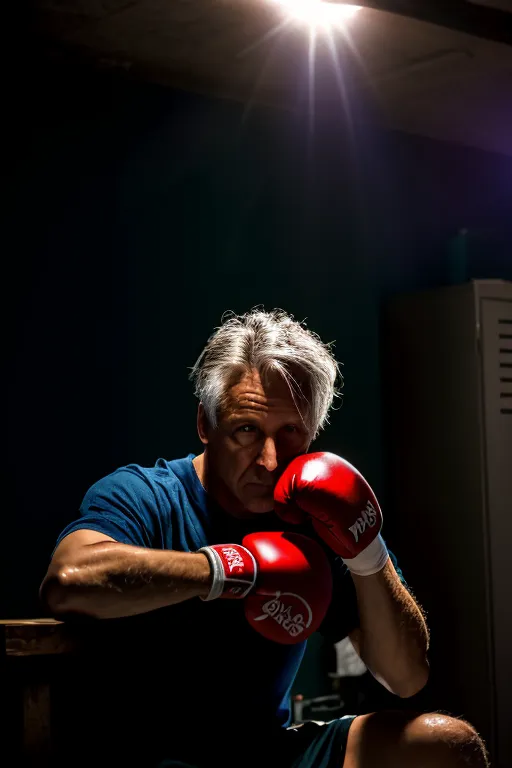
(202, 424)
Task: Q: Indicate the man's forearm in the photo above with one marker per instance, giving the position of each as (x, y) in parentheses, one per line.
(110, 580)
(393, 639)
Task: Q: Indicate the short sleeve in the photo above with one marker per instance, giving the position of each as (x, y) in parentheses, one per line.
(121, 505)
(343, 615)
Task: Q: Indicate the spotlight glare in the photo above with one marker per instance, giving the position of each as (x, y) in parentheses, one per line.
(319, 13)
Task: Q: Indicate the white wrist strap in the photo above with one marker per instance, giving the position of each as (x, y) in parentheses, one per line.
(217, 587)
(371, 560)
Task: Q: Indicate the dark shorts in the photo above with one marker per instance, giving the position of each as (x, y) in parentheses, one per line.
(311, 745)
(317, 745)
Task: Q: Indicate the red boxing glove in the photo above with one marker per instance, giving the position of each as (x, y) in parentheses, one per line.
(286, 580)
(342, 507)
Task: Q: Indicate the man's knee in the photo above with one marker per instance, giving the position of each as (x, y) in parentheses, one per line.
(399, 739)
(449, 740)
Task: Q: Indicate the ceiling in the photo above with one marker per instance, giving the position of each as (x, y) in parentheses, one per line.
(425, 78)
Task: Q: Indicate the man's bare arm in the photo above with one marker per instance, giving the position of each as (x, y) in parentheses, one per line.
(92, 574)
(393, 638)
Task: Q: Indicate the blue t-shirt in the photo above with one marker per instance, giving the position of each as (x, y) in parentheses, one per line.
(195, 659)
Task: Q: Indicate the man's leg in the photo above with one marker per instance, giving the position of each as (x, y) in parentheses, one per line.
(411, 740)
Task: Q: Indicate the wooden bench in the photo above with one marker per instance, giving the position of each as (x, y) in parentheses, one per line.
(30, 653)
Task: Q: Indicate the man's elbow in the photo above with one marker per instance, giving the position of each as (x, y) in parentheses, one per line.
(58, 594)
(409, 685)
(415, 683)
(52, 594)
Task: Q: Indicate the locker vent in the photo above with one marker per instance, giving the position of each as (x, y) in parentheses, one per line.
(505, 363)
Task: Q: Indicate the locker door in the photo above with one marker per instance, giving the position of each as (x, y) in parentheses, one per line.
(496, 349)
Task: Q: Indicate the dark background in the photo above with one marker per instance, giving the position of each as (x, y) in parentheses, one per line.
(136, 215)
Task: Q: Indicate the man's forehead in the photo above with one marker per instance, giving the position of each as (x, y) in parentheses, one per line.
(252, 394)
(272, 386)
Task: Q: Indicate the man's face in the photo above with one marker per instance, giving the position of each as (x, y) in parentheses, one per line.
(259, 431)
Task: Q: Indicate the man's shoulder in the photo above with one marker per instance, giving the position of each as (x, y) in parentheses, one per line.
(164, 472)
(134, 486)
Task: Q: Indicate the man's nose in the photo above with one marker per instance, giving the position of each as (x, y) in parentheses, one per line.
(268, 455)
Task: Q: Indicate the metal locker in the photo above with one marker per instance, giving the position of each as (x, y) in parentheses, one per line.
(447, 405)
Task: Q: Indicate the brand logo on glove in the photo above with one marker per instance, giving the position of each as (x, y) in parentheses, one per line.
(280, 609)
(367, 520)
(233, 558)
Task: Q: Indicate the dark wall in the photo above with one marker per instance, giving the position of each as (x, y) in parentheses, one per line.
(137, 216)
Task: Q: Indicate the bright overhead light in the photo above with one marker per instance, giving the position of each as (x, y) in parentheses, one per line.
(318, 13)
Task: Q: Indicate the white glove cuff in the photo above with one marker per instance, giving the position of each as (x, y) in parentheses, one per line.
(371, 560)
(215, 561)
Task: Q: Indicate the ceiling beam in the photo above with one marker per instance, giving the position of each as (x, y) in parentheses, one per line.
(471, 18)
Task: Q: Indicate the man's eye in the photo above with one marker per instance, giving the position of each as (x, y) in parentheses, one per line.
(246, 429)
(291, 428)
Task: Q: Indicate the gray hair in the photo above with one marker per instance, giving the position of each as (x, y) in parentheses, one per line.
(270, 342)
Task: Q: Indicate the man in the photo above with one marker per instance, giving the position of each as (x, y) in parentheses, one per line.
(183, 572)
